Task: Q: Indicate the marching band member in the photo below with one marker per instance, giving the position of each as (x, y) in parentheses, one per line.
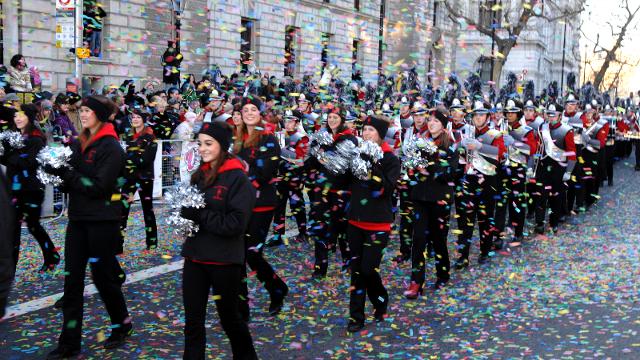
(432, 197)
(533, 120)
(575, 193)
(499, 123)
(521, 144)
(594, 137)
(370, 218)
(331, 197)
(555, 167)
(483, 149)
(259, 148)
(294, 145)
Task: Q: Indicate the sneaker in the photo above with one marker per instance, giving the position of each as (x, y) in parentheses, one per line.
(439, 284)
(355, 326)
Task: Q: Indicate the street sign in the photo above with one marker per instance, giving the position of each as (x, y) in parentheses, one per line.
(65, 29)
(65, 5)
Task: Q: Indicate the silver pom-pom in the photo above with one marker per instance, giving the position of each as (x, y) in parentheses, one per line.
(339, 160)
(13, 138)
(318, 140)
(184, 195)
(417, 152)
(48, 179)
(123, 145)
(360, 167)
(56, 157)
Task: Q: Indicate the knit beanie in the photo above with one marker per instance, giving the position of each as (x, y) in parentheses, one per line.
(103, 112)
(380, 123)
(252, 99)
(220, 131)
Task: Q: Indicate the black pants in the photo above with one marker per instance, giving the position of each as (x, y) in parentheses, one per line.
(515, 202)
(591, 177)
(366, 249)
(28, 207)
(255, 238)
(94, 242)
(477, 201)
(292, 193)
(576, 185)
(552, 191)
(637, 152)
(197, 281)
(431, 226)
(145, 188)
(406, 218)
(502, 197)
(610, 159)
(331, 229)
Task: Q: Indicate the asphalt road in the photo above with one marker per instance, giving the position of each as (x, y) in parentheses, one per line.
(569, 296)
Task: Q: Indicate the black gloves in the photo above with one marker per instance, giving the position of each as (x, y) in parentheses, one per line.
(190, 213)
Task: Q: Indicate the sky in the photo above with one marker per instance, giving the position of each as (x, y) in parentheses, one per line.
(596, 15)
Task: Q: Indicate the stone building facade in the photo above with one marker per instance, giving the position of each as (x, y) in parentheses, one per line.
(301, 35)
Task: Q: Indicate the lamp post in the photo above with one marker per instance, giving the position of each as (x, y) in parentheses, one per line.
(381, 35)
(178, 9)
(564, 43)
(584, 68)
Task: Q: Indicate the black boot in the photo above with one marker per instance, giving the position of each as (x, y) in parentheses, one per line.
(118, 336)
(355, 326)
(277, 298)
(462, 262)
(63, 352)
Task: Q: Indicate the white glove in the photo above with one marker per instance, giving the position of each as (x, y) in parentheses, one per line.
(566, 177)
(529, 173)
(471, 144)
(508, 140)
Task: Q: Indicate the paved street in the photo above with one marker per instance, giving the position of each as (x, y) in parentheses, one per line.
(571, 296)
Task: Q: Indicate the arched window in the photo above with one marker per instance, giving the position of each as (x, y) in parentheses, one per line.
(484, 68)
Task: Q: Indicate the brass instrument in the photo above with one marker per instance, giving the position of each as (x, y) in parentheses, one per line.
(537, 157)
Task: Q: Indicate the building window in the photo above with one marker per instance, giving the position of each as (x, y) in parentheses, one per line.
(325, 40)
(487, 16)
(246, 45)
(356, 5)
(93, 16)
(354, 59)
(291, 39)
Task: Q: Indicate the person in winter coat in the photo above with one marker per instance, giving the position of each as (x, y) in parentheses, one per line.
(370, 217)
(94, 226)
(215, 255)
(171, 60)
(432, 198)
(62, 122)
(258, 146)
(141, 153)
(18, 75)
(27, 192)
(7, 223)
(330, 196)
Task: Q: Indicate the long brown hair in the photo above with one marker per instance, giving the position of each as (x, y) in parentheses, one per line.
(207, 173)
(252, 140)
(86, 136)
(443, 140)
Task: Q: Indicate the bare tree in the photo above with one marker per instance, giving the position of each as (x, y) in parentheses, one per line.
(610, 54)
(507, 37)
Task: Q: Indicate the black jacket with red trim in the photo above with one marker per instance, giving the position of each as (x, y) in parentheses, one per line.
(223, 221)
(372, 200)
(95, 180)
(22, 164)
(263, 160)
(437, 182)
(141, 152)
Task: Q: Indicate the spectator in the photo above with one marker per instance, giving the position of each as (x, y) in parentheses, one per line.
(171, 60)
(93, 21)
(188, 84)
(62, 122)
(45, 121)
(74, 106)
(18, 75)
